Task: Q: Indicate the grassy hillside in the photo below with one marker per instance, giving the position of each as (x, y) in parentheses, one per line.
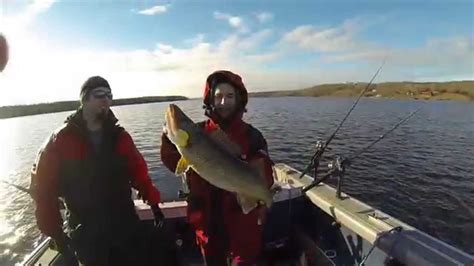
(23, 110)
(456, 90)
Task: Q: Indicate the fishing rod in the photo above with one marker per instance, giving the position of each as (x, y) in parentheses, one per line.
(321, 147)
(338, 165)
(357, 154)
(30, 192)
(20, 188)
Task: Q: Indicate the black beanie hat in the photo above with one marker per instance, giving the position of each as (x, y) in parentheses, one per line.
(92, 83)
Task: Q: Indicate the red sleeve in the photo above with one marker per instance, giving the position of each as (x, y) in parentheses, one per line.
(138, 170)
(169, 154)
(44, 188)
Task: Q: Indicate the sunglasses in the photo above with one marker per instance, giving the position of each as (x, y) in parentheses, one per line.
(102, 95)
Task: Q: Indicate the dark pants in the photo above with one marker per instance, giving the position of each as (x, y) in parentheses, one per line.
(142, 245)
(214, 261)
(221, 257)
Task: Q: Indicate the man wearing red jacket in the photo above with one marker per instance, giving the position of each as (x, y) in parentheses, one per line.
(92, 163)
(223, 232)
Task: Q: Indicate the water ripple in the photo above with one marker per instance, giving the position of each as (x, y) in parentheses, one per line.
(412, 174)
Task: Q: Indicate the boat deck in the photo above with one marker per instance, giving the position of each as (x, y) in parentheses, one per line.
(316, 228)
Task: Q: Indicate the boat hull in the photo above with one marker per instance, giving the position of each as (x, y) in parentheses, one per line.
(314, 228)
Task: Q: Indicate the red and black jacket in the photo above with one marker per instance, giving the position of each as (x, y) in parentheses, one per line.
(220, 225)
(95, 184)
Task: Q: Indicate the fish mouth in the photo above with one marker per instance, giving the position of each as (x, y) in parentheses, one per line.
(173, 119)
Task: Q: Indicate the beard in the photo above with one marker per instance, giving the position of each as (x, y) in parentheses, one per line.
(102, 115)
(225, 112)
(225, 116)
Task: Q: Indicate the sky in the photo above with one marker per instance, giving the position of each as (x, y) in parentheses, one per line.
(152, 48)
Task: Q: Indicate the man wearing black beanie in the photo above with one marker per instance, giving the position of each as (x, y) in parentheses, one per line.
(92, 164)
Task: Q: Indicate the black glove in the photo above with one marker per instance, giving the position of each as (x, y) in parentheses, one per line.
(159, 217)
(62, 245)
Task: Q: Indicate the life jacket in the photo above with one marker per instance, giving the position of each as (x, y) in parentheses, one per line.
(95, 185)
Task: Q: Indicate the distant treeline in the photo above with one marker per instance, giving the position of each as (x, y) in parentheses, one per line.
(455, 90)
(43, 108)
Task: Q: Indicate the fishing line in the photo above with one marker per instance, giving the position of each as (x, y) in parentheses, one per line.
(320, 150)
(347, 161)
(360, 152)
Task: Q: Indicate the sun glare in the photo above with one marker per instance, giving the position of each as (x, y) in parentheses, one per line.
(7, 142)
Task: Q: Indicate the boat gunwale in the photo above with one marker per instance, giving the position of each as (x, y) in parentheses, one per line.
(324, 197)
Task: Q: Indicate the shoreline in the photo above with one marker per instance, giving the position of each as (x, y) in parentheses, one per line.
(368, 97)
(430, 91)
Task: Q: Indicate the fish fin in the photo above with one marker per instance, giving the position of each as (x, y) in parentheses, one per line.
(182, 138)
(247, 204)
(181, 166)
(221, 137)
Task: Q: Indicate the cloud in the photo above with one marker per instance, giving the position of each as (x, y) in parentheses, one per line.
(263, 58)
(344, 43)
(164, 48)
(155, 10)
(182, 68)
(332, 39)
(255, 39)
(263, 17)
(234, 21)
(199, 38)
(163, 70)
(339, 38)
(24, 18)
(167, 69)
(446, 56)
(39, 6)
(233, 49)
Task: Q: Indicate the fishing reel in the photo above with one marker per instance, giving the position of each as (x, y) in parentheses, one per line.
(320, 147)
(319, 152)
(338, 168)
(338, 165)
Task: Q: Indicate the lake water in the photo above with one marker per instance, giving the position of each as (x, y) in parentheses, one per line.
(415, 174)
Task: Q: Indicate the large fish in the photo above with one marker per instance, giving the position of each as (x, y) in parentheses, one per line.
(215, 158)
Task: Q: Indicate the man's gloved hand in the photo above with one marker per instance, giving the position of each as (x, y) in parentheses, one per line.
(159, 217)
(62, 245)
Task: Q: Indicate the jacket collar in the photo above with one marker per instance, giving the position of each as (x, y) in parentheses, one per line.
(76, 119)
